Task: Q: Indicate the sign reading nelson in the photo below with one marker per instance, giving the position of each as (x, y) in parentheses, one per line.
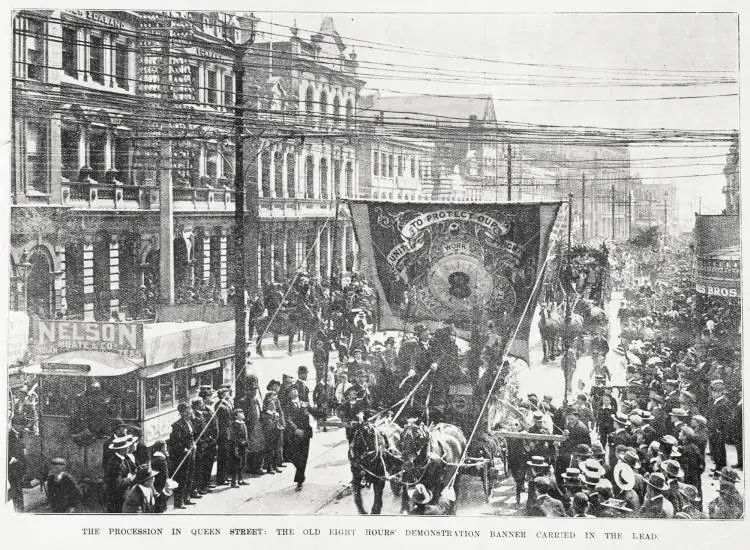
(53, 337)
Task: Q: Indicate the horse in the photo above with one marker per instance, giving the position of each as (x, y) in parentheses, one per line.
(304, 312)
(430, 456)
(373, 455)
(549, 330)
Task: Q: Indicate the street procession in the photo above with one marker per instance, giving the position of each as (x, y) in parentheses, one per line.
(247, 276)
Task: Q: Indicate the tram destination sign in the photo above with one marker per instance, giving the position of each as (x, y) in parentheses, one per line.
(53, 337)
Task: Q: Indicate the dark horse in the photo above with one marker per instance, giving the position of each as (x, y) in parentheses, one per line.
(374, 456)
(430, 456)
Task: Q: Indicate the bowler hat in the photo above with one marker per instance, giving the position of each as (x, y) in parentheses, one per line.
(144, 472)
(672, 468)
(272, 383)
(582, 450)
(657, 481)
(596, 449)
(630, 457)
(302, 368)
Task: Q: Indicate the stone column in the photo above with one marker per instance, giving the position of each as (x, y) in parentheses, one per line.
(284, 173)
(285, 252)
(88, 279)
(61, 302)
(272, 255)
(114, 274)
(272, 170)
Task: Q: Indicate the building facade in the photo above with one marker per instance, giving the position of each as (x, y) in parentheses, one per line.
(303, 94)
(122, 159)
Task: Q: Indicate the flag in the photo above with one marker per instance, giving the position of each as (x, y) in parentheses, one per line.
(437, 263)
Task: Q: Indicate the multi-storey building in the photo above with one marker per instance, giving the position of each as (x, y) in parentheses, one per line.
(303, 93)
(394, 168)
(122, 158)
(732, 173)
(654, 204)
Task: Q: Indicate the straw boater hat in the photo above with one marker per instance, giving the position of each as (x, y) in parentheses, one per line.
(624, 476)
(592, 467)
(679, 413)
(121, 443)
(616, 504)
(420, 494)
(630, 457)
(571, 476)
(537, 462)
(621, 419)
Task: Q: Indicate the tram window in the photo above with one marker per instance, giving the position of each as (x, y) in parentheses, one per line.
(166, 392)
(227, 366)
(206, 379)
(181, 386)
(59, 394)
(151, 389)
(121, 396)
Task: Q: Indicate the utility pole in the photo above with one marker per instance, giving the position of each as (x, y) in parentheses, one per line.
(630, 214)
(240, 203)
(510, 159)
(665, 216)
(613, 211)
(565, 361)
(583, 207)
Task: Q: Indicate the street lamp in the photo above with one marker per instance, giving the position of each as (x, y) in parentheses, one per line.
(23, 268)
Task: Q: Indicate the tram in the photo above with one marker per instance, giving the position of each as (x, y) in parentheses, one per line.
(92, 374)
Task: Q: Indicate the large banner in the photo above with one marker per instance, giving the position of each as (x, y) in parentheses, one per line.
(717, 244)
(454, 263)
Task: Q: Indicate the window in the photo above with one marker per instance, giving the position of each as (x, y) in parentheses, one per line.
(212, 158)
(70, 52)
(349, 112)
(309, 101)
(70, 136)
(278, 174)
(375, 163)
(96, 59)
(323, 106)
(336, 109)
(291, 178)
(309, 181)
(35, 49)
(121, 66)
(122, 157)
(413, 168)
(211, 88)
(36, 157)
(151, 389)
(166, 392)
(58, 394)
(383, 165)
(228, 91)
(390, 166)
(195, 82)
(181, 386)
(265, 173)
(349, 175)
(97, 150)
(399, 160)
(323, 178)
(337, 176)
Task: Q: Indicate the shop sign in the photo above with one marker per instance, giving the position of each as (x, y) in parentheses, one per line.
(53, 337)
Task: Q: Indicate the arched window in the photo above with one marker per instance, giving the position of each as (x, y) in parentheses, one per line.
(413, 166)
(337, 177)
(349, 112)
(291, 176)
(39, 285)
(336, 109)
(309, 178)
(323, 178)
(349, 175)
(278, 182)
(323, 106)
(265, 173)
(309, 101)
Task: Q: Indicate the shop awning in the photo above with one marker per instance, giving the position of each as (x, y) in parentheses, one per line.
(83, 363)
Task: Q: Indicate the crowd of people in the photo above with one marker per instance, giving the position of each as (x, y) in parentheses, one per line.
(640, 448)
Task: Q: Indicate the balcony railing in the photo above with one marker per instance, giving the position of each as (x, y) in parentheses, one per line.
(202, 199)
(280, 207)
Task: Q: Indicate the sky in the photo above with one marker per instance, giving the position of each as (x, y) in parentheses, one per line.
(523, 55)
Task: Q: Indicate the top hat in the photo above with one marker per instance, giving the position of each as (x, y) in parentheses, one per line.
(624, 476)
(657, 481)
(537, 462)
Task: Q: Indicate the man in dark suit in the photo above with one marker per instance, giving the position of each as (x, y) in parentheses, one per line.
(182, 452)
(199, 420)
(16, 465)
(299, 432)
(719, 413)
(224, 415)
(301, 385)
(209, 441)
(160, 465)
(119, 473)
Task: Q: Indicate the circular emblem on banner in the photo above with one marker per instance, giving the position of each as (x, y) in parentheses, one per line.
(460, 282)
